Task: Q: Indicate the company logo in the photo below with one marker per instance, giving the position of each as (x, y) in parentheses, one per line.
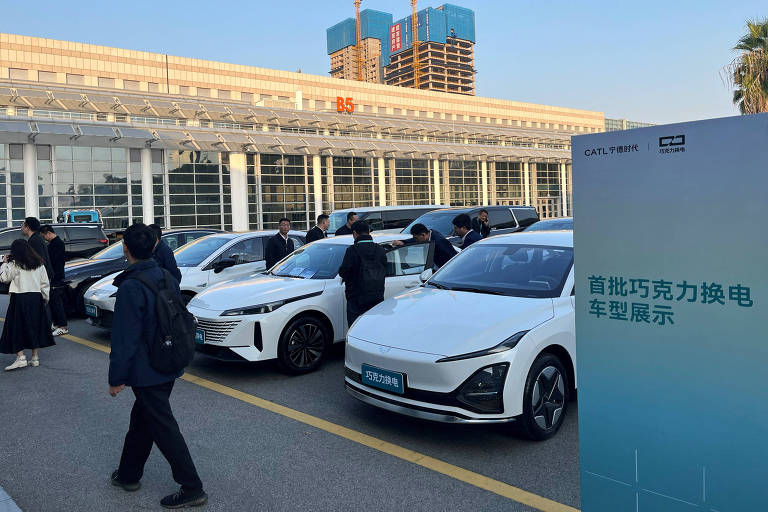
(672, 144)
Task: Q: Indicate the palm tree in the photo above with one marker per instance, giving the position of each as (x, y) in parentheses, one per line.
(748, 73)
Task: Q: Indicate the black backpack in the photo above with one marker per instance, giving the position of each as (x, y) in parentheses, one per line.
(173, 347)
(371, 270)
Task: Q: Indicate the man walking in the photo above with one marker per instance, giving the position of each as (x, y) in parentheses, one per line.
(280, 245)
(152, 421)
(56, 252)
(363, 271)
(463, 227)
(163, 254)
(346, 229)
(31, 229)
(320, 230)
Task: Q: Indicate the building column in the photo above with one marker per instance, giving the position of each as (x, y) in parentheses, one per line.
(484, 180)
(533, 169)
(317, 183)
(493, 182)
(31, 197)
(526, 182)
(147, 196)
(238, 179)
(331, 196)
(259, 198)
(382, 177)
(392, 181)
(563, 190)
(436, 177)
(446, 183)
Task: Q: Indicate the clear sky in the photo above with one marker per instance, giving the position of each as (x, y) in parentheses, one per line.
(653, 61)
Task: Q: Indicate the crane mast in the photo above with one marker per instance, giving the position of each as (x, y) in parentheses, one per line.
(358, 41)
(415, 45)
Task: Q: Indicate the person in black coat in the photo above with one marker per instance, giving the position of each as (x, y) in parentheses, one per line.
(463, 227)
(363, 271)
(31, 230)
(444, 250)
(346, 229)
(280, 245)
(481, 224)
(163, 254)
(320, 231)
(152, 421)
(57, 253)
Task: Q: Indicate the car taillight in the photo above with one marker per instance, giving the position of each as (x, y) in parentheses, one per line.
(103, 241)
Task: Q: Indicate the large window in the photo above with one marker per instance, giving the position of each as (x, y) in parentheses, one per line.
(196, 191)
(284, 190)
(464, 183)
(5, 189)
(412, 181)
(352, 182)
(509, 183)
(88, 178)
(548, 194)
(16, 179)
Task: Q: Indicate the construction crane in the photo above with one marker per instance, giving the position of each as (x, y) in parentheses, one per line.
(358, 43)
(415, 45)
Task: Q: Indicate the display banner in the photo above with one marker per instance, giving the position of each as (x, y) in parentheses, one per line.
(671, 260)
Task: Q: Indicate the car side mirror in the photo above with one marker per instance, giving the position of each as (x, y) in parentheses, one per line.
(424, 276)
(222, 264)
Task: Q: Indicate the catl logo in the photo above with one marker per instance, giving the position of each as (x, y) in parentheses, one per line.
(674, 140)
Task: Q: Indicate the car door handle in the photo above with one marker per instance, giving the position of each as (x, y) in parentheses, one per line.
(414, 285)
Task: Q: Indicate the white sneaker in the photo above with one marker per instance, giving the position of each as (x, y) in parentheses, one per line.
(20, 362)
(60, 330)
(34, 362)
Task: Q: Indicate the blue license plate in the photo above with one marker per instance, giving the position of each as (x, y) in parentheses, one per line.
(91, 310)
(199, 336)
(383, 379)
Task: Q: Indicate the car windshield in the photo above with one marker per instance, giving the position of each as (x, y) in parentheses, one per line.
(440, 221)
(193, 253)
(336, 221)
(314, 261)
(112, 252)
(551, 225)
(515, 270)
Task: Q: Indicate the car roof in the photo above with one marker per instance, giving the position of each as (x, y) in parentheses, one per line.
(470, 208)
(563, 238)
(367, 209)
(243, 234)
(58, 225)
(187, 230)
(380, 238)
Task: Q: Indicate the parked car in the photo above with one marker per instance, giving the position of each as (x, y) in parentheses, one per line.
(80, 240)
(203, 263)
(81, 274)
(557, 224)
(382, 218)
(502, 219)
(297, 310)
(503, 349)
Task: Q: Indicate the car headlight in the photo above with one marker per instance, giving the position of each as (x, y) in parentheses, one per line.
(505, 345)
(484, 390)
(259, 309)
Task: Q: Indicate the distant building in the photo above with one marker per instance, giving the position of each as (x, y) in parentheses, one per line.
(342, 46)
(612, 125)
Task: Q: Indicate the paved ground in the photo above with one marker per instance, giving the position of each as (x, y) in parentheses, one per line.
(61, 435)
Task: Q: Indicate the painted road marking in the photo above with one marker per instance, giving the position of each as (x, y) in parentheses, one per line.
(464, 475)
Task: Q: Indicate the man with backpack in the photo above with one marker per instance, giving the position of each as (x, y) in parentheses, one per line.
(152, 342)
(363, 271)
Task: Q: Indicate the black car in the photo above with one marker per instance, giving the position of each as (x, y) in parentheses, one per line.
(502, 219)
(556, 224)
(80, 275)
(80, 240)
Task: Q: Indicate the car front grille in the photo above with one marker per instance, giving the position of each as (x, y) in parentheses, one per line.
(216, 332)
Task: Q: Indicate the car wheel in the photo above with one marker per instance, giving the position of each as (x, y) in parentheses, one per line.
(545, 399)
(303, 345)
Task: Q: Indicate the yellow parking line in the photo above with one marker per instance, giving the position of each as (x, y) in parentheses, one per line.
(483, 482)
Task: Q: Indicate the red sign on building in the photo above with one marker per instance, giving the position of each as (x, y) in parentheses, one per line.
(395, 43)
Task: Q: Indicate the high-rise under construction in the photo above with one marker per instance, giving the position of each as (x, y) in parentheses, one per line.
(445, 49)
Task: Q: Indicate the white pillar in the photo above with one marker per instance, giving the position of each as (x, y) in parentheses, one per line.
(299, 101)
(147, 197)
(329, 179)
(494, 199)
(382, 176)
(436, 179)
(527, 182)
(239, 185)
(393, 181)
(563, 190)
(317, 183)
(484, 180)
(31, 197)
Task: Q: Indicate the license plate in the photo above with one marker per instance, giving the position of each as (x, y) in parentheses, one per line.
(383, 379)
(199, 336)
(91, 310)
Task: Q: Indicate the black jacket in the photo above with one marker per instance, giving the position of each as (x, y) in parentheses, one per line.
(472, 237)
(343, 230)
(164, 257)
(356, 288)
(57, 253)
(37, 242)
(444, 250)
(479, 227)
(315, 234)
(133, 325)
(277, 249)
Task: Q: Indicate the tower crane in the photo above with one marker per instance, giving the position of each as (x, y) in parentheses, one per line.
(415, 45)
(358, 42)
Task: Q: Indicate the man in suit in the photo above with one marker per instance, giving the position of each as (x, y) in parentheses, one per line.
(481, 224)
(31, 229)
(280, 245)
(57, 253)
(346, 229)
(444, 250)
(163, 254)
(320, 230)
(462, 224)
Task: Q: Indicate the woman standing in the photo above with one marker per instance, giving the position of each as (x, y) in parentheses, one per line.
(26, 322)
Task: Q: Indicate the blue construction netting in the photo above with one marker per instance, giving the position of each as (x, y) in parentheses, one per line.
(376, 24)
(461, 20)
(341, 35)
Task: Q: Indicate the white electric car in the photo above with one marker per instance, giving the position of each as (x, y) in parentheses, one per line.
(295, 311)
(489, 338)
(203, 263)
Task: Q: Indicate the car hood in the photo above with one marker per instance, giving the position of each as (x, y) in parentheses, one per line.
(78, 268)
(255, 290)
(449, 323)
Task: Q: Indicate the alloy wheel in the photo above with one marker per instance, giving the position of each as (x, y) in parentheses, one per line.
(306, 344)
(548, 398)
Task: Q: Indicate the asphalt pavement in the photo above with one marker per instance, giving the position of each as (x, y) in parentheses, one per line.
(61, 435)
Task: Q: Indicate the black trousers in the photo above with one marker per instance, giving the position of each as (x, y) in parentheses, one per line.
(355, 308)
(152, 421)
(58, 315)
